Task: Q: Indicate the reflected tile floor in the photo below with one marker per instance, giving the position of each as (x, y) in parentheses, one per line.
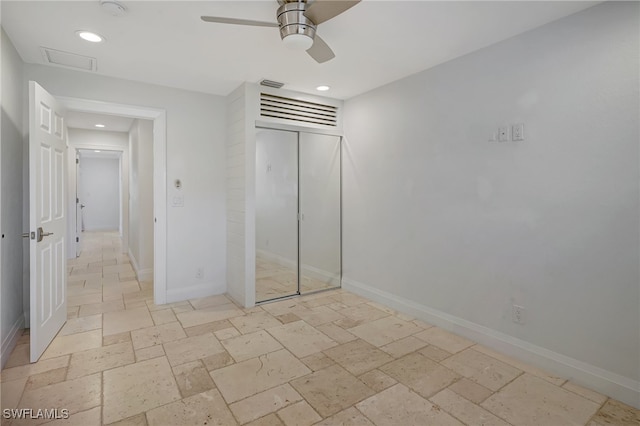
(274, 280)
(332, 358)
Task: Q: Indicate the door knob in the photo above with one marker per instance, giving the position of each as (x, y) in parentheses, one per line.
(28, 234)
(42, 234)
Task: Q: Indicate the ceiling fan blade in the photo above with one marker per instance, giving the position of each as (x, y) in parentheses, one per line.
(322, 10)
(320, 51)
(221, 20)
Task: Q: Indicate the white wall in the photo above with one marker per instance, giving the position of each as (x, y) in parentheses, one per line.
(195, 155)
(100, 193)
(441, 221)
(12, 146)
(141, 198)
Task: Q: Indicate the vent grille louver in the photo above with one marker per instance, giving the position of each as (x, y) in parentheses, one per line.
(68, 59)
(296, 110)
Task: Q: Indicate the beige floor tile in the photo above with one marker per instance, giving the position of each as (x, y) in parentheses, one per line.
(435, 353)
(349, 417)
(84, 299)
(249, 377)
(301, 339)
(363, 313)
(584, 392)
(287, 318)
(82, 324)
(209, 314)
(137, 388)
(402, 347)
(137, 420)
(420, 374)
(19, 356)
(558, 381)
(157, 335)
(192, 348)
(269, 420)
(254, 322)
(206, 302)
(299, 414)
(465, 410)
(339, 334)
(616, 413)
(482, 369)
(377, 380)
(92, 417)
(400, 406)
(348, 299)
(251, 345)
(227, 333)
(317, 361)
(358, 357)
(209, 327)
(531, 400)
(36, 368)
(472, 391)
(11, 392)
(319, 315)
(121, 321)
(100, 308)
(74, 395)
(444, 340)
(219, 360)
(207, 408)
(149, 353)
(263, 403)
(331, 390)
(192, 378)
(384, 330)
(100, 359)
(47, 378)
(116, 338)
(63, 345)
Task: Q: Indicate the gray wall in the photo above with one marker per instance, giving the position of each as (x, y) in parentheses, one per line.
(464, 227)
(100, 193)
(11, 309)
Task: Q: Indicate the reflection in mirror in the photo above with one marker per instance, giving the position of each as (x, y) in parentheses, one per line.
(276, 214)
(320, 259)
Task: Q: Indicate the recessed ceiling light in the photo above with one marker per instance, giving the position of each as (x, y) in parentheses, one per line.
(99, 125)
(89, 36)
(322, 88)
(96, 150)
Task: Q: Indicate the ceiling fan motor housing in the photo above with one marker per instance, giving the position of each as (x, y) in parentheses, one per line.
(292, 20)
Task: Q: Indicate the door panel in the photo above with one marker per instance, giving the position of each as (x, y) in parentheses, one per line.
(48, 266)
(320, 240)
(276, 214)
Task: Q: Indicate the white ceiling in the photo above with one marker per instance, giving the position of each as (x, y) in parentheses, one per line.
(85, 120)
(375, 42)
(99, 153)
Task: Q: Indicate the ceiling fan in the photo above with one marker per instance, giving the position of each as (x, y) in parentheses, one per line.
(298, 20)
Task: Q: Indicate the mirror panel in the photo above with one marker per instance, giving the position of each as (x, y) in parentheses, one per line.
(320, 241)
(276, 214)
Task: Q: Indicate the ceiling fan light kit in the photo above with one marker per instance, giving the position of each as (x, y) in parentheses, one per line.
(298, 21)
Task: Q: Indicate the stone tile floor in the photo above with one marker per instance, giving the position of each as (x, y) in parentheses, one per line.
(332, 358)
(274, 280)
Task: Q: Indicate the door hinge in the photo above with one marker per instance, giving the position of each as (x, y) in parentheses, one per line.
(77, 161)
(77, 200)
(77, 239)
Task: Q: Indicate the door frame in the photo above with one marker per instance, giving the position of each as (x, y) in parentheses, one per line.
(159, 118)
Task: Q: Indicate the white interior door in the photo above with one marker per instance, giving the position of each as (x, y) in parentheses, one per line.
(79, 207)
(48, 263)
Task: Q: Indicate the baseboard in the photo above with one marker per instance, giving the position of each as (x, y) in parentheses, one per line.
(141, 274)
(604, 381)
(195, 291)
(9, 342)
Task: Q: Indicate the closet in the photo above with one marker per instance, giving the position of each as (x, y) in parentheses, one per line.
(297, 213)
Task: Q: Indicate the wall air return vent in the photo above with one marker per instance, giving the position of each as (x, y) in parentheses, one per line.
(67, 59)
(296, 110)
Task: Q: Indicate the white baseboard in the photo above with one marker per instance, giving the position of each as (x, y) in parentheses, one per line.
(604, 381)
(195, 291)
(141, 274)
(9, 342)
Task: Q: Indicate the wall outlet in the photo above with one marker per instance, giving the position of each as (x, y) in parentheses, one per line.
(517, 314)
(200, 273)
(517, 132)
(503, 134)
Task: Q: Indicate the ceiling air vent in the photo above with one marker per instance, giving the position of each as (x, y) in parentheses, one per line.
(271, 83)
(296, 110)
(67, 59)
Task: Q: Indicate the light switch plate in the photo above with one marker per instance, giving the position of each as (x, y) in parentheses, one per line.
(517, 132)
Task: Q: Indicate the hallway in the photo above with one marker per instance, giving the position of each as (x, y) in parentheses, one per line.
(331, 358)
